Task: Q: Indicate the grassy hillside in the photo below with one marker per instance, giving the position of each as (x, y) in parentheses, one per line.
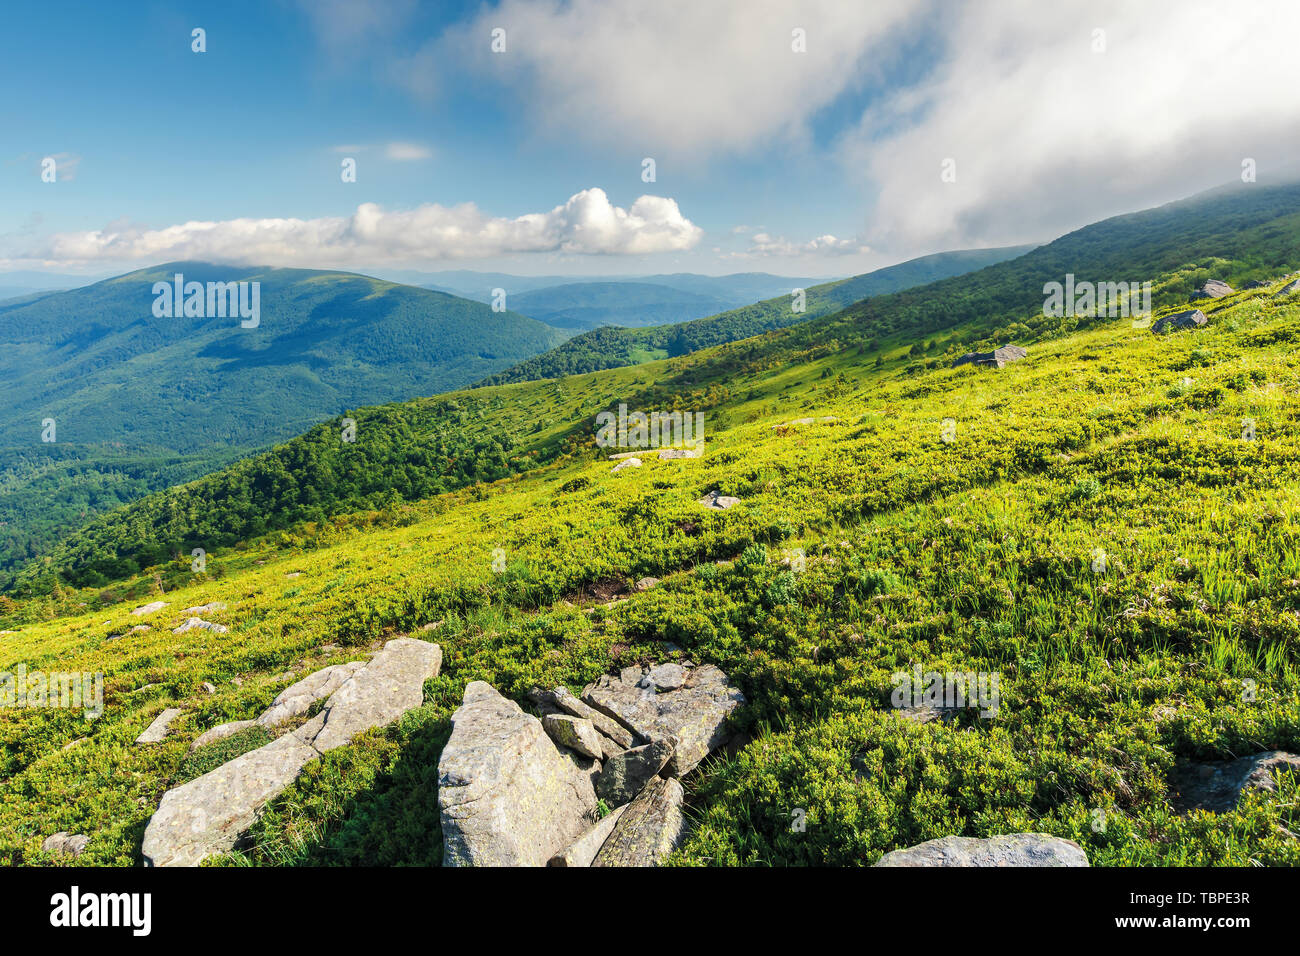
(976, 555)
(142, 402)
(613, 348)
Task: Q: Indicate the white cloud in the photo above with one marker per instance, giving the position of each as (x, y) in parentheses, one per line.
(673, 78)
(587, 224)
(762, 244)
(1048, 135)
(406, 152)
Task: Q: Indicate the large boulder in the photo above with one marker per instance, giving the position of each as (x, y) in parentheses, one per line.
(650, 828)
(1013, 849)
(1218, 785)
(151, 608)
(377, 694)
(995, 359)
(210, 813)
(506, 795)
(1213, 289)
(1187, 319)
(603, 722)
(624, 775)
(695, 713)
(298, 698)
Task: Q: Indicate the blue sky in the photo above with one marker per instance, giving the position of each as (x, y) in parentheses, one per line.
(824, 161)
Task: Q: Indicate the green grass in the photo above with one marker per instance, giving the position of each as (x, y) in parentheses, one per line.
(974, 555)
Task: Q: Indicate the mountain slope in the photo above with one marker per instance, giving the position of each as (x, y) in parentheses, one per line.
(125, 387)
(612, 348)
(861, 546)
(588, 305)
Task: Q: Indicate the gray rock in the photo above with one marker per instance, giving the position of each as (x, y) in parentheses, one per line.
(623, 776)
(585, 848)
(1013, 849)
(63, 842)
(197, 623)
(603, 722)
(506, 795)
(995, 359)
(667, 676)
(1291, 288)
(1256, 284)
(1218, 786)
(627, 463)
(149, 608)
(221, 732)
(696, 713)
(210, 813)
(650, 828)
(205, 608)
(1187, 319)
(156, 731)
(576, 733)
(716, 500)
(667, 454)
(645, 584)
(298, 698)
(1213, 289)
(387, 687)
(208, 687)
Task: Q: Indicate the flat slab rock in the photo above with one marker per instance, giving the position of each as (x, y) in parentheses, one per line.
(650, 828)
(718, 501)
(209, 814)
(1013, 849)
(149, 608)
(1217, 786)
(298, 698)
(198, 624)
(1187, 319)
(695, 713)
(624, 775)
(506, 795)
(156, 731)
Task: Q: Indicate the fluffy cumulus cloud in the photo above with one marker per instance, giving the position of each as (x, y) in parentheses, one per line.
(762, 244)
(672, 78)
(1059, 114)
(587, 224)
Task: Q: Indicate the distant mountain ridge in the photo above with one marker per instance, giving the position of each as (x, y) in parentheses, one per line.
(137, 399)
(616, 347)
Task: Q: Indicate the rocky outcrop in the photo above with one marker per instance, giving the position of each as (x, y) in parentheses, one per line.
(650, 828)
(995, 359)
(209, 814)
(624, 775)
(668, 454)
(64, 843)
(603, 722)
(205, 608)
(150, 608)
(298, 698)
(1291, 288)
(695, 713)
(1014, 849)
(1187, 319)
(645, 584)
(1213, 289)
(627, 463)
(716, 500)
(156, 731)
(1217, 786)
(584, 849)
(506, 795)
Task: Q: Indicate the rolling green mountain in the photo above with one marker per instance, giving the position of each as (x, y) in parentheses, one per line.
(1098, 530)
(589, 305)
(612, 348)
(419, 448)
(140, 402)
